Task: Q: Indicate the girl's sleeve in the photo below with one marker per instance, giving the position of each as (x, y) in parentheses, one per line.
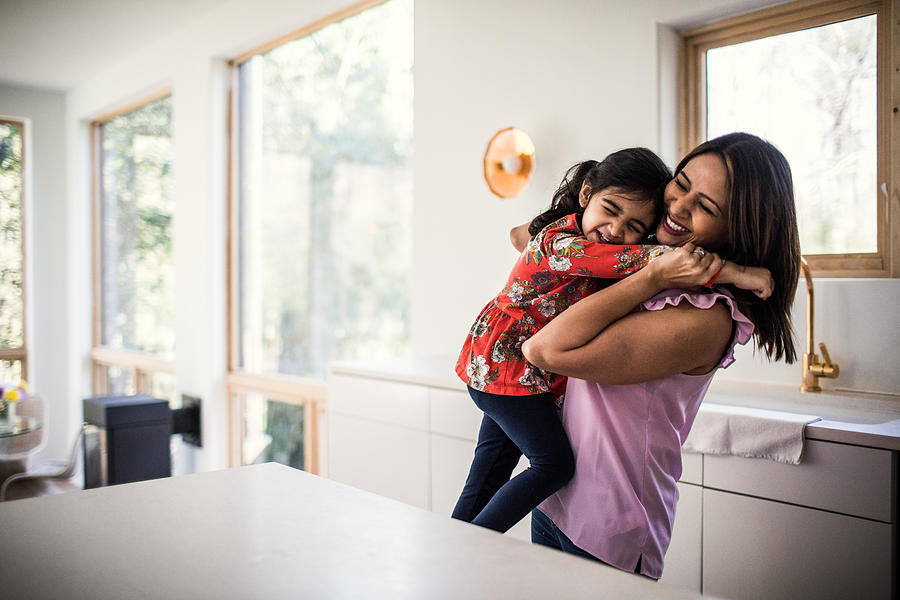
(566, 250)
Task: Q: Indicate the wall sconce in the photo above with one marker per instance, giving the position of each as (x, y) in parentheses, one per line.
(508, 162)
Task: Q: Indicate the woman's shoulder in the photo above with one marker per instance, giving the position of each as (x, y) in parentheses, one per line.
(716, 309)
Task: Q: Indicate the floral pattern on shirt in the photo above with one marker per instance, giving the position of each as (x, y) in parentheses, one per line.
(558, 268)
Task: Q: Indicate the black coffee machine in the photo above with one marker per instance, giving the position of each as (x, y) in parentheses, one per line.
(127, 437)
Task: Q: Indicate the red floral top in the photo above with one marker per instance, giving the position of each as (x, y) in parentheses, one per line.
(558, 268)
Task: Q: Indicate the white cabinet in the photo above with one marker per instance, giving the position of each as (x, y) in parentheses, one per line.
(744, 528)
(684, 557)
(386, 459)
(756, 548)
(378, 438)
(821, 529)
(409, 442)
(836, 477)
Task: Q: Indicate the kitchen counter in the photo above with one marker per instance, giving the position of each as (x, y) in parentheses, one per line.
(269, 531)
(870, 420)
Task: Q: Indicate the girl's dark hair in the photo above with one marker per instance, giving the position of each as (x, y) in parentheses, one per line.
(762, 232)
(634, 169)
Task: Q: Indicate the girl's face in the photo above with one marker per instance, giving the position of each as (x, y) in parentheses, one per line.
(615, 216)
(697, 205)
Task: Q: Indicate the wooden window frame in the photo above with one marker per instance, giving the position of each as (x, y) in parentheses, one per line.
(794, 16)
(20, 353)
(299, 391)
(142, 365)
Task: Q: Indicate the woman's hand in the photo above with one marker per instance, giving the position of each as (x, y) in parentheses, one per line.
(684, 267)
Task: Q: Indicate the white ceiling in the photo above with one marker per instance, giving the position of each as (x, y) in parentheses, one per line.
(56, 44)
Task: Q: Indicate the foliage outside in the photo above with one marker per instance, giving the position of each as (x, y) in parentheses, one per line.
(137, 207)
(326, 195)
(11, 250)
(813, 94)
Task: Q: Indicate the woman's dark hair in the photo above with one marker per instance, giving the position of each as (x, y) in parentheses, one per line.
(633, 169)
(762, 232)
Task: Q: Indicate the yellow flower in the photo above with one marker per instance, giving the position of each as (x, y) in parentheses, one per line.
(23, 385)
(12, 395)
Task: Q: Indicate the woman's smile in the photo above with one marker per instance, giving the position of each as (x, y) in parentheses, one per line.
(673, 226)
(697, 204)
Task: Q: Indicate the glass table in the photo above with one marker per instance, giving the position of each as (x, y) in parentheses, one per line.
(22, 425)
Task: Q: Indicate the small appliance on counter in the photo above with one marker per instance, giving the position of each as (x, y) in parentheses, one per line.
(127, 439)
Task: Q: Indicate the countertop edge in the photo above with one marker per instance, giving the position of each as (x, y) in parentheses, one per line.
(881, 434)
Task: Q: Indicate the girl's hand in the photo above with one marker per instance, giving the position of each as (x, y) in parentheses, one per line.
(684, 267)
(756, 279)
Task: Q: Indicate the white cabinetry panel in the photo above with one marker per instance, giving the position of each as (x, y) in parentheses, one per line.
(386, 401)
(385, 459)
(845, 479)
(684, 556)
(754, 548)
(450, 462)
(692, 468)
(454, 413)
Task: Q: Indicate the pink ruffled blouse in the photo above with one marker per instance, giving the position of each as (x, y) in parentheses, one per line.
(620, 505)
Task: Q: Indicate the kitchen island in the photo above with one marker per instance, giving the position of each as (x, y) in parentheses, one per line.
(269, 531)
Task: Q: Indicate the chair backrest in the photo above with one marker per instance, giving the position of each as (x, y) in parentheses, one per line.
(21, 446)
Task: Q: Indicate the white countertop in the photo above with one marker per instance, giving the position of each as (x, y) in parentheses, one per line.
(870, 420)
(269, 531)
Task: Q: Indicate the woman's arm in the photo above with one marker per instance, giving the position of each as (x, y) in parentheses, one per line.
(601, 340)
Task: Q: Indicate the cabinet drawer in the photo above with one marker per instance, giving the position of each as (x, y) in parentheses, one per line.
(400, 404)
(837, 477)
(454, 414)
(754, 548)
(691, 468)
(384, 459)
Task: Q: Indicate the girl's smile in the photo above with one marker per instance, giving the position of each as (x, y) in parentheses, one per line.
(616, 216)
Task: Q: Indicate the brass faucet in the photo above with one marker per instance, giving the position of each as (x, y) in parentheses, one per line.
(812, 368)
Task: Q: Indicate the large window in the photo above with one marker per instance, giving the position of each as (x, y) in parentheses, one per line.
(13, 365)
(808, 76)
(321, 215)
(135, 303)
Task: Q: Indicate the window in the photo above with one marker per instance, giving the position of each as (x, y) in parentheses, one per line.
(321, 213)
(134, 339)
(811, 78)
(13, 356)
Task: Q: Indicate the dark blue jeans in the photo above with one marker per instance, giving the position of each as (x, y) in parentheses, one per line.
(545, 533)
(513, 425)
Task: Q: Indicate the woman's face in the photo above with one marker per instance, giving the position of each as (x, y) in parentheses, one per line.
(697, 205)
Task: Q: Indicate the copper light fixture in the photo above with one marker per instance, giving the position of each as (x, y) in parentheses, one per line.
(508, 162)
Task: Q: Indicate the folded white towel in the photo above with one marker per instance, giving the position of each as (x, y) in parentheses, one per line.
(750, 432)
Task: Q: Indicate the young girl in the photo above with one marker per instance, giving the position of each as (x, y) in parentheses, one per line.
(576, 245)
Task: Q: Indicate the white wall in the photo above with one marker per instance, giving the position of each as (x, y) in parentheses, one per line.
(45, 222)
(582, 77)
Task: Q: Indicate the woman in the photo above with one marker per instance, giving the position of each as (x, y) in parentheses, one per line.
(639, 368)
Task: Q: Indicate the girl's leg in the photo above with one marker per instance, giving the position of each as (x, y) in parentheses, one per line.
(495, 458)
(532, 423)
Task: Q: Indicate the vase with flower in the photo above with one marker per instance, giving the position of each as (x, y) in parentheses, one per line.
(11, 395)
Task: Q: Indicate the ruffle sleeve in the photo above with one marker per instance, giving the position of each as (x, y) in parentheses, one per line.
(743, 329)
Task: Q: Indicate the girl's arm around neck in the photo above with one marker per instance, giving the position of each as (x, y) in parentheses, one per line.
(601, 339)
(519, 236)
